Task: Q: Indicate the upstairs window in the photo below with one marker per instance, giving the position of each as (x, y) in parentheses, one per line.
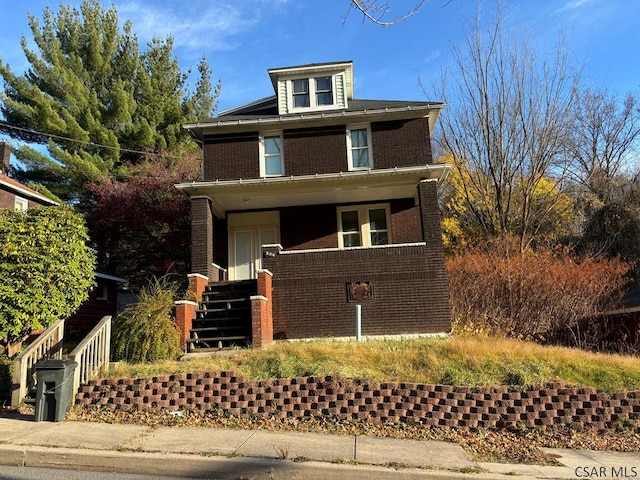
(363, 226)
(359, 148)
(301, 97)
(324, 91)
(310, 93)
(271, 157)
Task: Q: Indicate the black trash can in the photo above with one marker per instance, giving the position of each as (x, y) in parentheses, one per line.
(55, 389)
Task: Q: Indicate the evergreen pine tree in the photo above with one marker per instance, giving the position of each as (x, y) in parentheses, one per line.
(96, 97)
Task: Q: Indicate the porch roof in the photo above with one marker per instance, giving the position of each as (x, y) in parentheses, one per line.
(330, 188)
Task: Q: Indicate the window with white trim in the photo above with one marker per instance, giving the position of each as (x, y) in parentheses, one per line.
(312, 93)
(300, 92)
(271, 155)
(359, 147)
(364, 226)
(21, 204)
(324, 90)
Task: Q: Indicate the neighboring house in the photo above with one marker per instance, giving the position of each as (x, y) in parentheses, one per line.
(109, 297)
(616, 331)
(14, 194)
(103, 300)
(343, 193)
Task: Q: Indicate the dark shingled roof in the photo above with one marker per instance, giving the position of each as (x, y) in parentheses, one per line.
(632, 299)
(268, 108)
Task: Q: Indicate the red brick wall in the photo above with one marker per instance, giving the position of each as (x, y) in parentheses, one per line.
(409, 282)
(401, 143)
(5, 156)
(317, 150)
(7, 199)
(434, 256)
(437, 405)
(320, 150)
(309, 292)
(231, 156)
(261, 312)
(406, 225)
(201, 237)
(185, 313)
(309, 227)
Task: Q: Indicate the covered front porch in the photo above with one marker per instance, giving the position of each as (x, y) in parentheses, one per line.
(247, 213)
(285, 233)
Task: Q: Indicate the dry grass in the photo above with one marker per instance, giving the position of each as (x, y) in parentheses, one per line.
(454, 361)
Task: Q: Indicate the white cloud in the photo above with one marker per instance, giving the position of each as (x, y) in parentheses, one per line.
(433, 55)
(193, 25)
(573, 4)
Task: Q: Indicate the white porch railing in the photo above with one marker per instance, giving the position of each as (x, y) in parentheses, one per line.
(93, 353)
(48, 346)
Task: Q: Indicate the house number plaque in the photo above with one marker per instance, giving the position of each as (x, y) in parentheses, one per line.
(359, 291)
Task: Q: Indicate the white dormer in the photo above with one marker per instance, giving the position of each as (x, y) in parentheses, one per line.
(314, 87)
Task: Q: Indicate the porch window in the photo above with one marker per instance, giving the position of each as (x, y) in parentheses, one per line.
(271, 157)
(350, 229)
(363, 226)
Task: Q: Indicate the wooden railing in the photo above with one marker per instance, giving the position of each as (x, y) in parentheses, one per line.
(48, 345)
(93, 353)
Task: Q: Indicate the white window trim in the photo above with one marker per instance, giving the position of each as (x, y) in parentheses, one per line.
(363, 220)
(21, 204)
(312, 93)
(366, 127)
(263, 165)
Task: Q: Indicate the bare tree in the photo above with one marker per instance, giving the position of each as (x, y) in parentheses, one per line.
(376, 11)
(605, 144)
(605, 170)
(507, 123)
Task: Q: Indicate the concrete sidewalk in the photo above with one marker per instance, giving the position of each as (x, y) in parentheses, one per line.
(232, 454)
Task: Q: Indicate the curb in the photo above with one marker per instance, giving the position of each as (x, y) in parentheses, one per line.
(218, 467)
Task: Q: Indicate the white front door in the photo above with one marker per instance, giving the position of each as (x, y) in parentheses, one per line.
(247, 233)
(244, 255)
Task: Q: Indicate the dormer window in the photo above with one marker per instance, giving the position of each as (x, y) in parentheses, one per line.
(301, 93)
(311, 93)
(324, 91)
(312, 88)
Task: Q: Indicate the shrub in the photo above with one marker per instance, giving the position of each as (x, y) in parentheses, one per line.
(146, 331)
(497, 290)
(46, 270)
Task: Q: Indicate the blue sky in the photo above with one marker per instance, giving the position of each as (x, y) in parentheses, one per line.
(242, 39)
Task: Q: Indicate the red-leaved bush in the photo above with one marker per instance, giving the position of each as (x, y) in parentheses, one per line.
(140, 223)
(499, 291)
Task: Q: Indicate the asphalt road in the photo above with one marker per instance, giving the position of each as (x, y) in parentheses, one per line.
(32, 473)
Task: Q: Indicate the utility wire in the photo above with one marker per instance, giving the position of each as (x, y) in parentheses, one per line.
(82, 142)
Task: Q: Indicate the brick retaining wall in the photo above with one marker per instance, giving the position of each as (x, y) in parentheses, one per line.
(437, 405)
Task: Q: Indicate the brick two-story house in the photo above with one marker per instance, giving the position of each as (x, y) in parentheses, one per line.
(13, 194)
(327, 200)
